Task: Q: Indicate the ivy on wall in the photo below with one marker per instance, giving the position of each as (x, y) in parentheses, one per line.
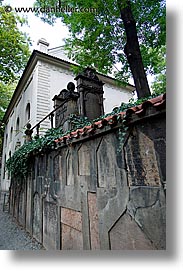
(18, 164)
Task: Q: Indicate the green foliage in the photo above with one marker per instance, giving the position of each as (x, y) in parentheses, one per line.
(159, 85)
(14, 53)
(78, 122)
(18, 164)
(14, 46)
(121, 135)
(6, 92)
(98, 39)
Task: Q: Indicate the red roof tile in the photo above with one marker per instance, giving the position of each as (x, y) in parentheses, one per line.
(99, 124)
(157, 103)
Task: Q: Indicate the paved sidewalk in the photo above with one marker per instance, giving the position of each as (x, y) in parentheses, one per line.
(12, 236)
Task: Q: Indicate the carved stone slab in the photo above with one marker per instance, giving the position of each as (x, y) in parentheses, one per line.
(71, 228)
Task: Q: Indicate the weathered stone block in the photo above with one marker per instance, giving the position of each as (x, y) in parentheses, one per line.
(84, 162)
(22, 203)
(106, 162)
(29, 206)
(37, 212)
(57, 167)
(148, 207)
(91, 94)
(112, 203)
(141, 160)
(71, 218)
(93, 219)
(142, 196)
(72, 239)
(160, 147)
(153, 223)
(50, 226)
(92, 106)
(67, 100)
(127, 235)
(71, 228)
(70, 170)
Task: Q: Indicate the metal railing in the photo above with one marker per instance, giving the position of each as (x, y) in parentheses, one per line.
(50, 116)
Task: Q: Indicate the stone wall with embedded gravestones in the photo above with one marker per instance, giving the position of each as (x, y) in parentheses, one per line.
(87, 195)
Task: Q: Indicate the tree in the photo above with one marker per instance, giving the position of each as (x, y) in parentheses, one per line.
(132, 50)
(5, 96)
(14, 46)
(14, 53)
(98, 38)
(6, 91)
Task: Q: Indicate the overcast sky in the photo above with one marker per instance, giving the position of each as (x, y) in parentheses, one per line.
(38, 29)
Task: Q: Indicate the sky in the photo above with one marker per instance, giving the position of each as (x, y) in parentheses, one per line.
(37, 28)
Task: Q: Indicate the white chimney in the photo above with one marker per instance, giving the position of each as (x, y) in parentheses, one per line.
(43, 45)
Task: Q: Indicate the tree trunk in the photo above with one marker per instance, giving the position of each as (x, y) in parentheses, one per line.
(132, 50)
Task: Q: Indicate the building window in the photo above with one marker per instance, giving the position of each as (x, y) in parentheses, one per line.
(18, 125)
(4, 170)
(11, 133)
(27, 112)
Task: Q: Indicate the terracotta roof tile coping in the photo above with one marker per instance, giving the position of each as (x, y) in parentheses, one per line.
(112, 120)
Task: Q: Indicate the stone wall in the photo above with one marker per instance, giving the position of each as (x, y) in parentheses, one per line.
(88, 195)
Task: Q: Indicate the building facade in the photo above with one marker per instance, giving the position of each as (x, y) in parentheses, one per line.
(45, 75)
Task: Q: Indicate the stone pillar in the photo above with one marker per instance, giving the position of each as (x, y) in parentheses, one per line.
(66, 104)
(90, 90)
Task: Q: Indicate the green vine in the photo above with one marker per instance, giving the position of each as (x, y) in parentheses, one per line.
(18, 164)
(77, 122)
(121, 135)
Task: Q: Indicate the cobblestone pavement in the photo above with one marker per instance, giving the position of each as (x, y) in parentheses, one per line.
(14, 237)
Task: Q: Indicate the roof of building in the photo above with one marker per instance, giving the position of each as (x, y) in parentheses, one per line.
(38, 55)
(132, 114)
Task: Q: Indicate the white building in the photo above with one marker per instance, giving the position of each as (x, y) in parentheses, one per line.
(45, 75)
